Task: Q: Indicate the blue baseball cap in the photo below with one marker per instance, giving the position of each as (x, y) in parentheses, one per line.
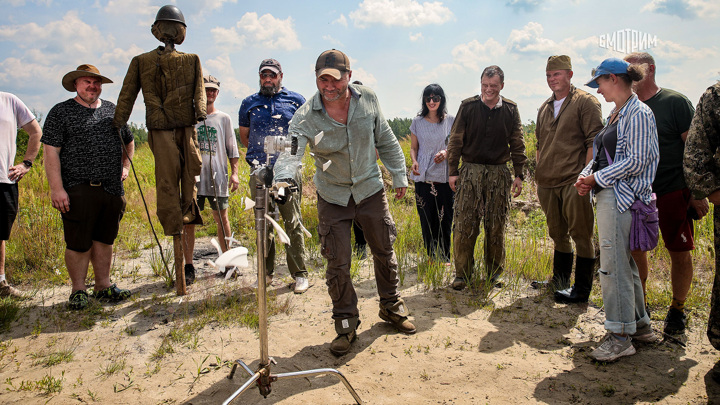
(608, 66)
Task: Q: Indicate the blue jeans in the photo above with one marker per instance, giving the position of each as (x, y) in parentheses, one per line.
(621, 288)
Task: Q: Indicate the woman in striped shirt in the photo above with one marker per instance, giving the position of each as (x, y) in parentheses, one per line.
(433, 196)
(625, 157)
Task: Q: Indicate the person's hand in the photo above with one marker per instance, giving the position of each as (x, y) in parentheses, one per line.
(234, 182)
(60, 200)
(714, 197)
(400, 192)
(701, 207)
(125, 173)
(17, 172)
(440, 156)
(415, 168)
(516, 188)
(581, 187)
(452, 180)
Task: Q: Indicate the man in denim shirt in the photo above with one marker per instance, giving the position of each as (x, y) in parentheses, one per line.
(343, 125)
(267, 113)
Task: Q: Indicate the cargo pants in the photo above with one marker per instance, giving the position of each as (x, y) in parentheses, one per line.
(177, 163)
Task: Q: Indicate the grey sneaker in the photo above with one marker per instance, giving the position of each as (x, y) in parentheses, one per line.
(613, 348)
(645, 335)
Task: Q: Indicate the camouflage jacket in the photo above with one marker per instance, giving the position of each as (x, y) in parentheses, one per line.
(701, 162)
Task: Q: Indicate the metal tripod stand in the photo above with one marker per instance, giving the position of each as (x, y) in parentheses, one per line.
(263, 377)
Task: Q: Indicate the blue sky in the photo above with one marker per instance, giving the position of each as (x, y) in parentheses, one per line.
(395, 46)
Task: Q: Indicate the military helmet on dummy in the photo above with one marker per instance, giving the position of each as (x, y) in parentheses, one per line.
(170, 13)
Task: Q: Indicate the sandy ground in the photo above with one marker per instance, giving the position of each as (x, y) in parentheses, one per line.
(517, 347)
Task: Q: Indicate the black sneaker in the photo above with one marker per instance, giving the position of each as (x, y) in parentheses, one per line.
(78, 300)
(675, 321)
(112, 293)
(189, 274)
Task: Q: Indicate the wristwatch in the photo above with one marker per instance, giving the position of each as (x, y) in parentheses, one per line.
(28, 163)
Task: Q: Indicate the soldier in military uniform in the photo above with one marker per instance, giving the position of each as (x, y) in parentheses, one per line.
(487, 133)
(702, 174)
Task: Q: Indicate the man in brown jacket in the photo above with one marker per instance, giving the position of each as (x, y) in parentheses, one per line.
(566, 126)
(487, 133)
(174, 95)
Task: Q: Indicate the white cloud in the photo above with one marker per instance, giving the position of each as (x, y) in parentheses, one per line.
(334, 41)
(473, 53)
(415, 68)
(67, 40)
(231, 88)
(341, 21)
(668, 50)
(140, 7)
(685, 9)
(228, 37)
(529, 39)
(440, 73)
(404, 13)
(263, 32)
(210, 5)
(416, 37)
(121, 57)
(19, 3)
(364, 76)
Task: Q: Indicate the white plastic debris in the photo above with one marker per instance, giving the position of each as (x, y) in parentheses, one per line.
(236, 257)
(197, 179)
(326, 165)
(284, 238)
(277, 117)
(305, 231)
(249, 203)
(255, 162)
(319, 137)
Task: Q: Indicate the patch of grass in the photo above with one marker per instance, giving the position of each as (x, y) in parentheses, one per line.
(46, 386)
(53, 358)
(112, 367)
(9, 312)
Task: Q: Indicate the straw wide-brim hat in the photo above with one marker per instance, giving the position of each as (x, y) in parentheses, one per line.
(68, 81)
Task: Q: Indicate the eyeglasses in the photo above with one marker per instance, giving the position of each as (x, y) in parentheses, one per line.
(271, 75)
(433, 99)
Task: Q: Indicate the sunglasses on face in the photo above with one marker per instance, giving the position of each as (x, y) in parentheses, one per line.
(271, 75)
(433, 99)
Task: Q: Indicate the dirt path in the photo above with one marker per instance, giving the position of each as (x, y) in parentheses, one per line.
(520, 347)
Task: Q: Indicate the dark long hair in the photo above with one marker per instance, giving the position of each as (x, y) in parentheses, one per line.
(434, 90)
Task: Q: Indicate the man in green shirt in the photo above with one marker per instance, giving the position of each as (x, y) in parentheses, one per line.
(566, 126)
(343, 125)
(676, 207)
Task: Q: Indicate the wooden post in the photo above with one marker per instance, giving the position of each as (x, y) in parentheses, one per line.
(179, 265)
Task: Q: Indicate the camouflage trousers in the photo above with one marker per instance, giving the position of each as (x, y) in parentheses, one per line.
(483, 194)
(713, 331)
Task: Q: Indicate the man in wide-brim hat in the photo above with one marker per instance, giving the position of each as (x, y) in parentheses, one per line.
(68, 81)
(86, 164)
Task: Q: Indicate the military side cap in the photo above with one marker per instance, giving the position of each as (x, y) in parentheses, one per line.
(558, 62)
